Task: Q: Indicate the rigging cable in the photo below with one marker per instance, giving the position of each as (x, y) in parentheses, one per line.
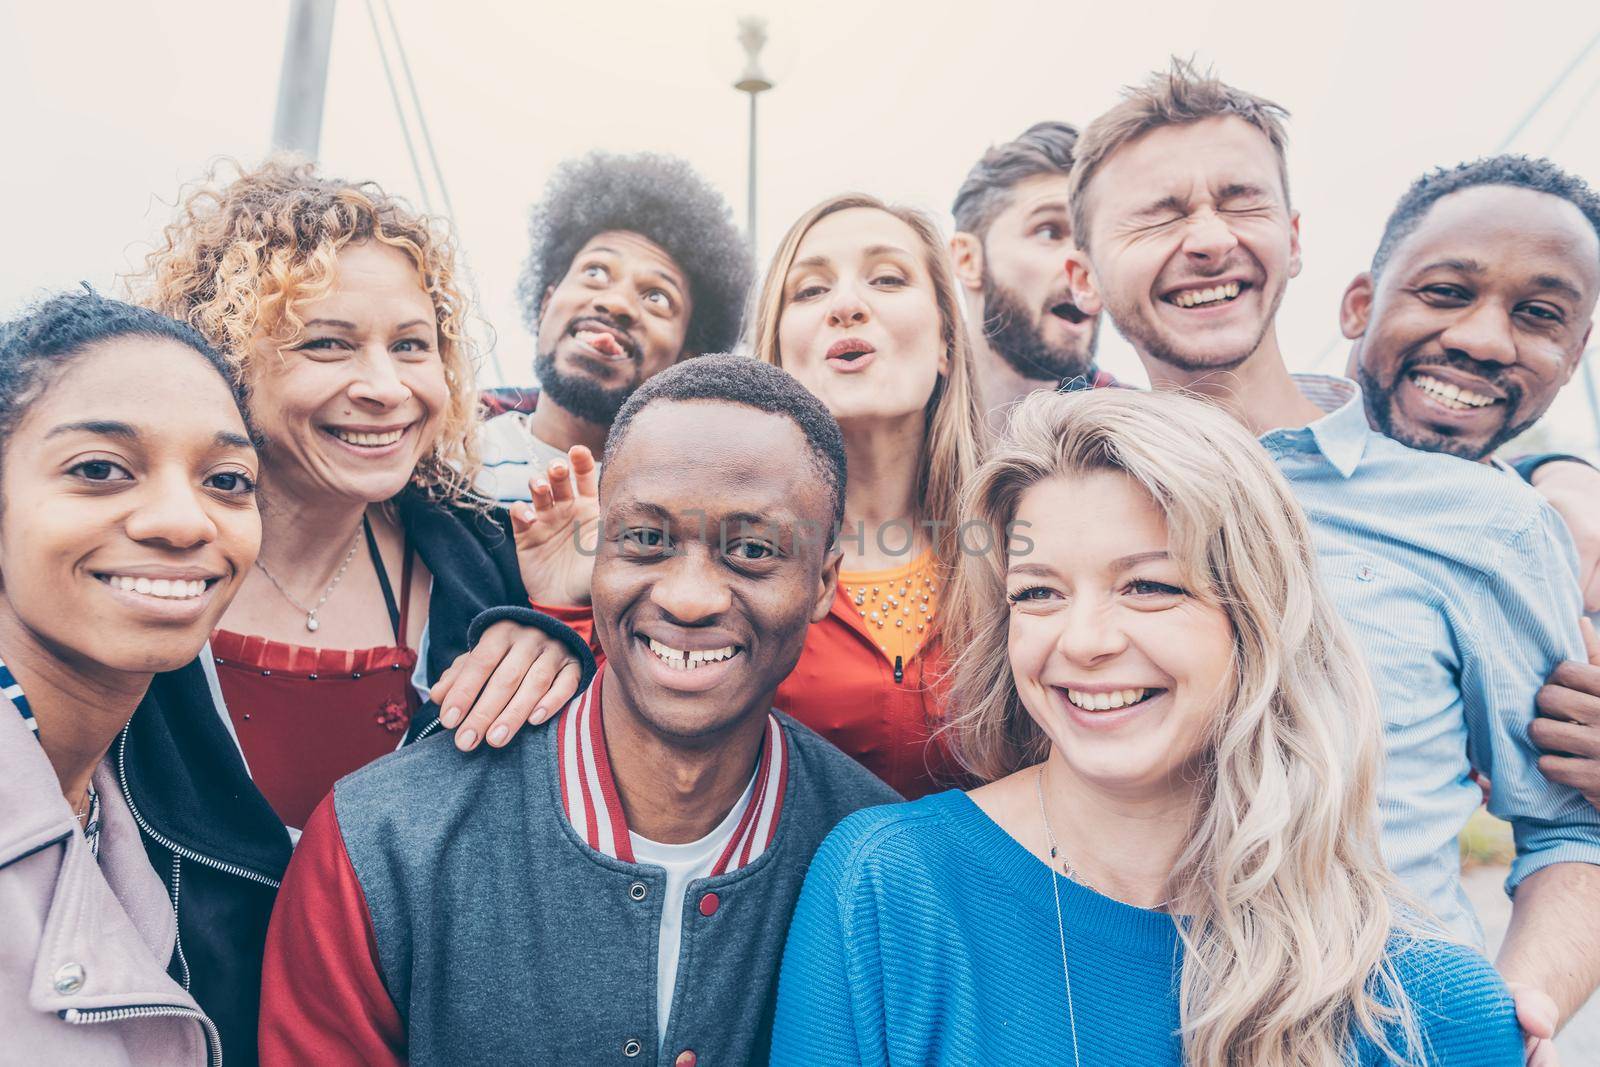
(416, 164)
(1505, 142)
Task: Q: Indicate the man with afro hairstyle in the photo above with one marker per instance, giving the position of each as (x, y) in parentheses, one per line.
(635, 264)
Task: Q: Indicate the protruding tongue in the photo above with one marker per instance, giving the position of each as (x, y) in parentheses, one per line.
(602, 342)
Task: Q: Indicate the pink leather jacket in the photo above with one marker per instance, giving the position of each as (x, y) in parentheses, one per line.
(84, 945)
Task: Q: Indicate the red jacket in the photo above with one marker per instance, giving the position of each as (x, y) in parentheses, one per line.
(845, 690)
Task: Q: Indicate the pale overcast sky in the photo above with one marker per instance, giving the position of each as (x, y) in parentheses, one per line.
(110, 108)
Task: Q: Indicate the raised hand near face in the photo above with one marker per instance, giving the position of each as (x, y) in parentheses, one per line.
(557, 532)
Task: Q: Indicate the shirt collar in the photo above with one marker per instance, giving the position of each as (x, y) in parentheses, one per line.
(594, 808)
(13, 691)
(1342, 432)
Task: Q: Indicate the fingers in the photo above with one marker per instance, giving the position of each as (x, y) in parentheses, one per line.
(1567, 738)
(496, 695)
(534, 523)
(561, 488)
(546, 687)
(466, 677)
(1574, 688)
(442, 686)
(1543, 1054)
(1581, 774)
(585, 471)
(1537, 1013)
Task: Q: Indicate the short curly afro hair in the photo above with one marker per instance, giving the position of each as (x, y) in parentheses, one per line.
(748, 383)
(1521, 172)
(660, 198)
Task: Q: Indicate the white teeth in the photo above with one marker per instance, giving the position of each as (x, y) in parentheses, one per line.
(369, 440)
(1198, 297)
(684, 661)
(1450, 395)
(165, 588)
(1120, 698)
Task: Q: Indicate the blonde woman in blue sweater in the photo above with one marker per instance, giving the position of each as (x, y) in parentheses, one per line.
(1175, 860)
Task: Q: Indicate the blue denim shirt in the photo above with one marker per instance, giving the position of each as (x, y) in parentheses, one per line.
(1458, 584)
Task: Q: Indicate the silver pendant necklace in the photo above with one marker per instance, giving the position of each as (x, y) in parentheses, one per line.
(311, 613)
(1061, 926)
(1055, 887)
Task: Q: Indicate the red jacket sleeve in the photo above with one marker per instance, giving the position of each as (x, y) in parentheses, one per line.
(322, 998)
(580, 618)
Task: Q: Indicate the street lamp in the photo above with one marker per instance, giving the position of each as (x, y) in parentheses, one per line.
(752, 35)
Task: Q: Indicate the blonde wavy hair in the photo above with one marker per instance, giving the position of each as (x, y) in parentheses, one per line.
(1288, 947)
(953, 426)
(243, 255)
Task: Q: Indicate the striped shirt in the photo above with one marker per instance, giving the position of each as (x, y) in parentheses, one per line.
(511, 456)
(1458, 585)
(593, 806)
(19, 700)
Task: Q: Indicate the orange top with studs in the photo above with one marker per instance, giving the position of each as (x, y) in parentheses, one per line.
(897, 605)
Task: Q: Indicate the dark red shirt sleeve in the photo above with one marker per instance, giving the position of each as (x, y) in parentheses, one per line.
(580, 618)
(322, 998)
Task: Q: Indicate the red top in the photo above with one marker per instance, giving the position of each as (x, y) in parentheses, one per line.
(322, 997)
(306, 717)
(845, 689)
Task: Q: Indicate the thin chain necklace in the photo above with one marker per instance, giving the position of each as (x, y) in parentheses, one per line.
(1055, 887)
(1061, 926)
(311, 613)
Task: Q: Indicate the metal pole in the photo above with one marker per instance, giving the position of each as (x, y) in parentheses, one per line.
(303, 78)
(753, 82)
(750, 201)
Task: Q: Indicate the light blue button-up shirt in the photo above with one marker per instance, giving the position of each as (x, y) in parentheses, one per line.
(1458, 584)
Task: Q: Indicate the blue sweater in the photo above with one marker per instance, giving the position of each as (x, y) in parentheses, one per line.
(926, 934)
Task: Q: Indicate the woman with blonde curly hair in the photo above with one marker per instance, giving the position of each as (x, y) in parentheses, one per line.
(384, 604)
(1175, 859)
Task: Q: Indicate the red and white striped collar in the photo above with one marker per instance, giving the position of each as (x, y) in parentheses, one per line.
(589, 794)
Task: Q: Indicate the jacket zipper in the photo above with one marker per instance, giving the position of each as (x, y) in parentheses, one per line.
(81, 1017)
(172, 846)
(431, 728)
(183, 961)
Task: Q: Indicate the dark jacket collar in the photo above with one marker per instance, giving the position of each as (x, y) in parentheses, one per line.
(186, 783)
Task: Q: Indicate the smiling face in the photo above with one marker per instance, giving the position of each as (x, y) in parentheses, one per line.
(860, 327)
(351, 407)
(1028, 315)
(1477, 319)
(127, 508)
(710, 570)
(1117, 660)
(1191, 242)
(620, 315)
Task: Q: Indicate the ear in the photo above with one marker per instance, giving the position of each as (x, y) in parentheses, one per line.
(1081, 280)
(966, 259)
(1294, 244)
(829, 583)
(1355, 308)
(544, 301)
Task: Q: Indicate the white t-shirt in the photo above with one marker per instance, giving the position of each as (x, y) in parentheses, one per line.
(684, 864)
(511, 455)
